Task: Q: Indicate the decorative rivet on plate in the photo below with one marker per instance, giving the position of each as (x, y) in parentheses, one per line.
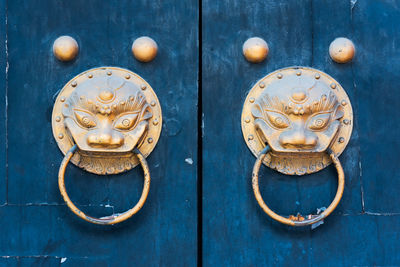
(341, 139)
(144, 49)
(262, 84)
(65, 48)
(342, 50)
(109, 73)
(143, 86)
(317, 76)
(251, 137)
(127, 76)
(153, 103)
(279, 75)
(62, 99)
(61, 136)
(247, 119)
(344, 103)
(58, 119)
(66, 105)
(251, 99)
(333, 85)
(255, 49)
(155, 121)
(90, 76)
(150, 140)
(346, 121)
(298, 73)
(74, 84)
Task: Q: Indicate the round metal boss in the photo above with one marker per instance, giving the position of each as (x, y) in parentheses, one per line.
(321, 117)
(112, 97)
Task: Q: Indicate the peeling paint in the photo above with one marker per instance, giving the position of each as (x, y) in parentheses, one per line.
(189, 161)
(352, 4)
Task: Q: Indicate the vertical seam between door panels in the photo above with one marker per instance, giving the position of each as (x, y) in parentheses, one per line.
(356, 108)
(199, 143)
(6, 101)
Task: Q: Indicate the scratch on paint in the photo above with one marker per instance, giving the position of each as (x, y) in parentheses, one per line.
(352, 4)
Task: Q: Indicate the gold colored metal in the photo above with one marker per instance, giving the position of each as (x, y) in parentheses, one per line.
(107, 115)
(342, 50)
(298, 220)
(65, 48)
(299, 115)
(144, 49)
(301, 122)
(255, 49)
(115, 218)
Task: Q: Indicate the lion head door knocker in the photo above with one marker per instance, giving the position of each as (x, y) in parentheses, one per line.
(106, 120)
(297, 121)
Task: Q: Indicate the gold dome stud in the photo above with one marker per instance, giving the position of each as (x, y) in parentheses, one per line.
(144, 49)
(65, 48)
(342, 50)
(255, 49)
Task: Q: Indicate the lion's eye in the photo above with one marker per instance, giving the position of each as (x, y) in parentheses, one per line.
(126, 121)
(278, 120)
(85, 119)
(318, 121)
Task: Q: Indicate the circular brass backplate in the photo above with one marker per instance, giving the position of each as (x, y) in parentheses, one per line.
(113, 162)
(296, 161)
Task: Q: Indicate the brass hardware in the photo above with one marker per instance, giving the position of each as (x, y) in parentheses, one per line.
(102, 121)
(113, 219)
(65, 48)
(294, 116)
(342, 50)
(255, 49)
(298, 220)
(107, 116)
(144, 49)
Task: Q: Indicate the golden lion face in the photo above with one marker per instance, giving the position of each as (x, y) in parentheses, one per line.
(107, 114)
(299, 114)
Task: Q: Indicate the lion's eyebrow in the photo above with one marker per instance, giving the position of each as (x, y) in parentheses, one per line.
(134, 103)
(82, 102)
(324, 103)
(272, 103)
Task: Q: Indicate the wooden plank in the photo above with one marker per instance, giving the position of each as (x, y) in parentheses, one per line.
(376, 78)
(3, 103)
(167, 224)
(236, 231)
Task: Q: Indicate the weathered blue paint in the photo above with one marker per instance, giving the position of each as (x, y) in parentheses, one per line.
(38, 229)
(364, 229)
(36, 226)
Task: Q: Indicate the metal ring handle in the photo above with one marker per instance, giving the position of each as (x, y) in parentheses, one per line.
(113, 219)
(297, 220)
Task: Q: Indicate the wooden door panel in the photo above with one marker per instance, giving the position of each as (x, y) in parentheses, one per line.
(377, 81)
(36, 221)
(3, 104)
(236, 232)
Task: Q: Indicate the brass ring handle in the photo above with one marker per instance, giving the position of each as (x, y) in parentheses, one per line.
(297, 220)
(113, 219)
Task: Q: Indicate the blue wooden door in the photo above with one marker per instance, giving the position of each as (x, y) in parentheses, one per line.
(364, 230)
(37, 228)
(201, 209)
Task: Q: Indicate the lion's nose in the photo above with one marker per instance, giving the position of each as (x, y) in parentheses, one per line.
(105, 138)
(298, 138)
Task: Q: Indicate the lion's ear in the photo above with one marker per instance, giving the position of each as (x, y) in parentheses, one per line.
(339, 113)
(256, 111)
